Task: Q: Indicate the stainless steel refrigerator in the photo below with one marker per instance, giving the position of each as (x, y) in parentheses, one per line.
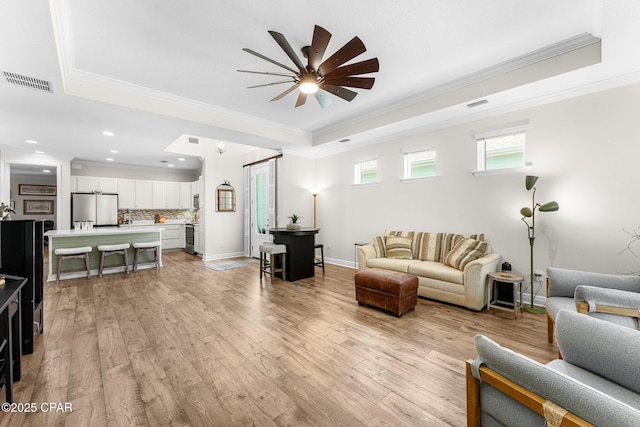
(102, 209)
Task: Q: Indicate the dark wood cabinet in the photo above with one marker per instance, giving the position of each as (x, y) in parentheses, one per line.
(300, 251)
(22, 250)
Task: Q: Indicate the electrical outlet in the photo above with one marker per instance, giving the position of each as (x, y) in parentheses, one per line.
(328, 247)
(538, 275)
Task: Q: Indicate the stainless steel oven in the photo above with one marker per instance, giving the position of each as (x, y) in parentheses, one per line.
(189, 239)
(196, 201)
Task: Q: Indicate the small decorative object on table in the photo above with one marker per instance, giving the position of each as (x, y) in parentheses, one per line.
(2, 282)
(294, 224)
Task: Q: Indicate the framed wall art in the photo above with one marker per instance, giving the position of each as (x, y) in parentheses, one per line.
(38, 207)
(36, 190)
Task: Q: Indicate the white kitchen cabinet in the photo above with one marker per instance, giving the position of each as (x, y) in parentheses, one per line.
(159, 195)
(108, 185)
(144, 199)
(87, 184)
(186, 201)
(126, 194)
(166, 195)
(173, 236)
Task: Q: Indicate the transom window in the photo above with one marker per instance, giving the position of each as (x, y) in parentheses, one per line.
(420, 163)
(501, 150)
(365, 172)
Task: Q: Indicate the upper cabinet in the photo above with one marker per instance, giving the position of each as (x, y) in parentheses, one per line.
(126, 194)
(186, 201)
(138, 194)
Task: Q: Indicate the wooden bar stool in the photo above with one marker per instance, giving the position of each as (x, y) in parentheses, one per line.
(69, 253)
(269, 267)
(119, 249)
(144, 247)
(319, 262)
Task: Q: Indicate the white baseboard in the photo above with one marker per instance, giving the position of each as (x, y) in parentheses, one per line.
(218, 257)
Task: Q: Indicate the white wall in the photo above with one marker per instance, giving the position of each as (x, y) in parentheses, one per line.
(18, 199)
(584, 150)
(134, 172)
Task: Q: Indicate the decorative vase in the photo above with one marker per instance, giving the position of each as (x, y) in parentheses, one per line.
(294, 226)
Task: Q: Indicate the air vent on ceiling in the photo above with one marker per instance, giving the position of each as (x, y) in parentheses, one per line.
(193, 140)
(478, 103)
(26, 81)
(344, 140)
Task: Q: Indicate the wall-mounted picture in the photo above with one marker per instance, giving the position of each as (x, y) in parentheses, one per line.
(38, 207)
(36, 190)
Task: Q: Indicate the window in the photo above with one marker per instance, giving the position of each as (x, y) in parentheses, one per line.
(365, 172)
(420, 164)
(501, 150)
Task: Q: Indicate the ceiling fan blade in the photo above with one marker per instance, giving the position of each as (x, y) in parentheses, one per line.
(284, 44)
(359, 82)
(253, 52)
(302, 98)
(285, 93)
(364, 67)
(265, 72)
(323, 98)
(347, 52)
(319, 45)
(341, 92)
(271, 84)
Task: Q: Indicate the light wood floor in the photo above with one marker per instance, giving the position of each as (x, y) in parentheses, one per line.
(187, 345)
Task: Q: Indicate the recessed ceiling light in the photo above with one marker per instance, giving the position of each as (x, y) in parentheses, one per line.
(114, 151)
(31, 141)
(39, 152)
(46, 170)
(170, 165)
(181, 159)
(109, 159)
(107, 133)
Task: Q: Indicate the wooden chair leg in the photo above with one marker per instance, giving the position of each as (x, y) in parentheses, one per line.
(550, 325)
(261, 264)
(322, 257)
(86, 263)
(101, 263)
(59, 268)
(272, 261)
(136, 251)
(126, 261)
(284, 267)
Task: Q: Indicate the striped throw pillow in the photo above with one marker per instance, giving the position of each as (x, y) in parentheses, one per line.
(380, 247)
(449, 240)
(399, 247)
(465, 251)
(428, 247)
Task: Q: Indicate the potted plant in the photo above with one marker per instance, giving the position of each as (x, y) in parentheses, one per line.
(294, 224)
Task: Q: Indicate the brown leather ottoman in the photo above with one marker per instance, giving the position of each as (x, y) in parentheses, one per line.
(389, 290)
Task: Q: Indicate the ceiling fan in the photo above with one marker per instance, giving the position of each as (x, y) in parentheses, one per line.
(318, 77)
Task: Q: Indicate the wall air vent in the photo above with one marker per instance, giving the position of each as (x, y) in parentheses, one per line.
(478, 103)
(26, 81)
(193, 140)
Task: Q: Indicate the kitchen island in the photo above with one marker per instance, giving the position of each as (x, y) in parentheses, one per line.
(93, 238)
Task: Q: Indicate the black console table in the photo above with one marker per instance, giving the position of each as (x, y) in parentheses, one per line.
(300, 251)
(10, 335)
(22, 243)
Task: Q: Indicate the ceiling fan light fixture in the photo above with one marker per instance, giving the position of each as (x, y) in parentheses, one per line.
(308, 84)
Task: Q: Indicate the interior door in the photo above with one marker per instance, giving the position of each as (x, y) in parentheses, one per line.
(262, 202)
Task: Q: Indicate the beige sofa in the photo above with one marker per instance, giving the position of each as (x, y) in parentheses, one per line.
(450, 267)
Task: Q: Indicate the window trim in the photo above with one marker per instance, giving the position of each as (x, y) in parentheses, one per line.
(357, 179)
(481, 152)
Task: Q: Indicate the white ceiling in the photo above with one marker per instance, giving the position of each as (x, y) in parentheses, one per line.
(151, 71)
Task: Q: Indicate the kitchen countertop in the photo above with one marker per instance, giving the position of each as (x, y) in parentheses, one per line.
(101, 231)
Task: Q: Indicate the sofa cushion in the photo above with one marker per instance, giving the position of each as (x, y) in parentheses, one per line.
(438, 271)
(401, 265)
(399, 247)
(465, 251)
(601, 347)
(554, 304)
(428, 247)
(380, 247)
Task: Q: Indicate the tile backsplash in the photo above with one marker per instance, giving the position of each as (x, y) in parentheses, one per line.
(150, 214)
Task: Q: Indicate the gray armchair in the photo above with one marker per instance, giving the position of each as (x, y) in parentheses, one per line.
(612, 305)
(562, 284)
